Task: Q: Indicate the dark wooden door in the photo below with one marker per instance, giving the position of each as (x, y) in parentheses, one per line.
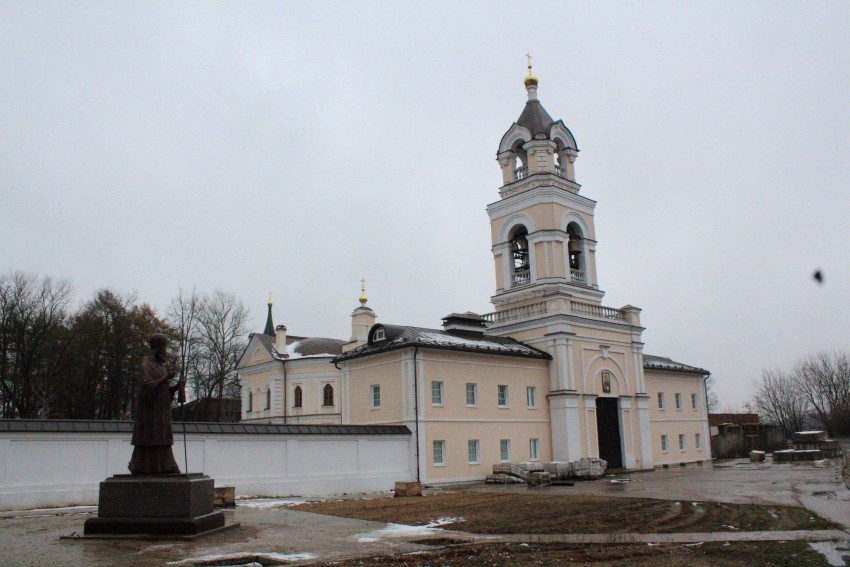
(608, 429)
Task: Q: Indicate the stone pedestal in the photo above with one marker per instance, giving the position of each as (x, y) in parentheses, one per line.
(167, 504)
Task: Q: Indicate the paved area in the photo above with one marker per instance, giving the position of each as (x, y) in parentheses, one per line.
(271, 529)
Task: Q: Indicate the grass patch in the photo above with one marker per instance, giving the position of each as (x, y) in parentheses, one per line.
(708, 554)
(504, 513)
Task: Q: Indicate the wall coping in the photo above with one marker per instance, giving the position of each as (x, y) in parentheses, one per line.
(104, 426)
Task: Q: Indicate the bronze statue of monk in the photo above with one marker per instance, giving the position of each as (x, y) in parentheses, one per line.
(152, 434)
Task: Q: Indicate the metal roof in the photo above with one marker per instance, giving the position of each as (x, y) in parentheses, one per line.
(398, 336)
(96, 426)
(663, 363)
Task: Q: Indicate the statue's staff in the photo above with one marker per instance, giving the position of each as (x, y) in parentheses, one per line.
(181, 397)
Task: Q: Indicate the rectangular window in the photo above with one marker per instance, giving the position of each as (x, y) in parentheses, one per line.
(472, 394)
(678, 401)
(505, 450)
(531, 396)
(660, 400)
(533, 449)
(503, 396)
(439, 453)
(698, 441)
(681, 442)
(437, 393)
(693, 401)
(663, 443)
(472, 450)
(376, 396)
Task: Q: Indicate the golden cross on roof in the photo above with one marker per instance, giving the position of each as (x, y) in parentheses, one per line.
(270, 298)
(363, 298)
(529, 61)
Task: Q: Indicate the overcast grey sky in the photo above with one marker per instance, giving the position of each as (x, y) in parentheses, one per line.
(294, 147)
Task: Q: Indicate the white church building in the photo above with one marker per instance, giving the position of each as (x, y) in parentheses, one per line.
(551, 374)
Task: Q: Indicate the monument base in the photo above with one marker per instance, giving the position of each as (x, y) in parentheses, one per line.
(156, 504)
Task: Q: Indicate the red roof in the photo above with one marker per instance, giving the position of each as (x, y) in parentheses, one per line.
(738, 418)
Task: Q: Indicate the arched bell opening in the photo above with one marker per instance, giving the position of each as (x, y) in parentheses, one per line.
(520, 257)
(577, 259)
(520, 162)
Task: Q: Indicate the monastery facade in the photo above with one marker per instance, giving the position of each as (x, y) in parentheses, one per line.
(550, 375)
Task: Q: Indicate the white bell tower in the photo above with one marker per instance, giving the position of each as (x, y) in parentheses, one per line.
(547, 294)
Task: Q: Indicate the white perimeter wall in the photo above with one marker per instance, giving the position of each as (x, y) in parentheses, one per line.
(65, 469)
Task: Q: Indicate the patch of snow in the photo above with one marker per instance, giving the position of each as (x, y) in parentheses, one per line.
(730, 527)
(835, 555)
(58, 510)
(444, 522)
(264, 503)
(404, 530)
(699, 543)
(289, 557)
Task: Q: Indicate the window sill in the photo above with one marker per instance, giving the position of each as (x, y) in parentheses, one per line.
(533, 407)
(437, 405)
(439, 464)
(504, 407)
(475, 463)
(375, 408)
(472, 406)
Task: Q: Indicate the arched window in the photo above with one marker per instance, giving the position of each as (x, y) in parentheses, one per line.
(298, 397)
(519, 255)
(521, 161)
(250, 400)
(576, 247)
(328, 395)
(268, 398)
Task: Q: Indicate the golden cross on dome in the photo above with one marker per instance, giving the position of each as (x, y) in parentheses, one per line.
(529, 61)
(363, 297)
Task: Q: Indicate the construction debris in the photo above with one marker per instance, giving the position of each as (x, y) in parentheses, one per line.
(809, 446)
(556, 472)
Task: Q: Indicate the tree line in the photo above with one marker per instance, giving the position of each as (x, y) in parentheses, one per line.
(83, 363)
(813, 392)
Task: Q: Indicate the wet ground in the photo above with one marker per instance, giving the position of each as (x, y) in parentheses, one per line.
(272, 530)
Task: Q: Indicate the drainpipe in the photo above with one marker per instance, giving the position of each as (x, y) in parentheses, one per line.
(285, 407)
(341, 389)
(416, 410)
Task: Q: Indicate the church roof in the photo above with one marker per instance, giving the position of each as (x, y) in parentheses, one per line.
(398, 336)
(535, 118)
(663, 363)
(301, 347)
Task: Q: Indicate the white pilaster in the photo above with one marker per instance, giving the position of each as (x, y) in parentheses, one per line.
(564, 418)
(563, 368)
(624, 405)
(590, 425)
(646, 461)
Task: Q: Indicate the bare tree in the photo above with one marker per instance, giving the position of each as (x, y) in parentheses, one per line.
(222, 337)
(779, 400)
(33, 313)
(712, 402)
(824, 379)
(182, 316)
